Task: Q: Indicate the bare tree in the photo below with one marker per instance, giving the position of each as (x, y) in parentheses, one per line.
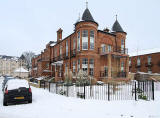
(28, 55)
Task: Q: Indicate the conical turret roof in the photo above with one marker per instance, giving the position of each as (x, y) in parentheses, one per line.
(117, 27)
(87, 16)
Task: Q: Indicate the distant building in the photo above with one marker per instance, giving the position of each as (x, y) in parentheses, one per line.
(147, 61)
(100, 53)
(21, 72)
(8, 64)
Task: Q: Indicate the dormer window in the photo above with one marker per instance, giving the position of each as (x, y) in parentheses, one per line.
(85, 40)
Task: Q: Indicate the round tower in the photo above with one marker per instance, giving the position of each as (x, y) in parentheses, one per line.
(86, 31)
(120, 34)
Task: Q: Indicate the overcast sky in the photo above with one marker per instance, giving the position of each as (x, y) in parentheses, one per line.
(28, 25)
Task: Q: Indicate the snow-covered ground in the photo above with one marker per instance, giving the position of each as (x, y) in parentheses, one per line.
(49, 105)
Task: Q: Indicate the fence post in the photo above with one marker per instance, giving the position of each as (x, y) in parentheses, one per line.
(108, 92)
(152, 89)
(56, 88)
(44, 84)
(84, 91)
(40, 83)
(49, 87)
(67, 89)
(135, 91)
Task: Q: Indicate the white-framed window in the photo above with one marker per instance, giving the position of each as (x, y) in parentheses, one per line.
(74, 67)
(66, 48)
(91, 40)
(66, 67)
(55, 52)
(78, 41)
(78, 65)
(60, 71)
(149, 59)
(122, 66)
(85, 65)
(129, 61)
(103, 46)
(91, 67)
(149, 70)
(74, 47)
(109, 48)
(122, 46)
(138, 61)
(84, 39)
(47, 65)
(60, 50)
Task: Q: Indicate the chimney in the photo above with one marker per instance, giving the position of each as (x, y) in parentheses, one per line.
(59, 35)
(106, 30)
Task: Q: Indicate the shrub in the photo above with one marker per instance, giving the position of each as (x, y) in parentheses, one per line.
(143, 97)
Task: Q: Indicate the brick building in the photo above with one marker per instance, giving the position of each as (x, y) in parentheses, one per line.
(145, 61)
(100, 53)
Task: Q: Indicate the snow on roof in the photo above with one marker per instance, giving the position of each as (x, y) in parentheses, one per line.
(53, 44)
(21, 69)
(39, 78)
(144, 52)
(16, 83)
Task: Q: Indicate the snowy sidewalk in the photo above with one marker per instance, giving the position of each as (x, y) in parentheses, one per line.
(49, 105)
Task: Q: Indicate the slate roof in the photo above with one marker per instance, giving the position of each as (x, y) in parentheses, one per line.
(87, 16)
(117, 27)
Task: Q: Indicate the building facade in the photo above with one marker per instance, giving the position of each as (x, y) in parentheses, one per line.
(99, 53)
(148, 62)
(8, 64)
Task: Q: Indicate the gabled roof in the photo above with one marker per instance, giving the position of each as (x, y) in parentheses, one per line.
(87, 16)
(117, 27)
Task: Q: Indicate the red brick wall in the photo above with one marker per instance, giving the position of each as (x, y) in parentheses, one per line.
(144, 59)
(99, 61)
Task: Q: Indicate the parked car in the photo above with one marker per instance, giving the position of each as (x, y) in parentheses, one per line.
(17, 90)
(6, 78)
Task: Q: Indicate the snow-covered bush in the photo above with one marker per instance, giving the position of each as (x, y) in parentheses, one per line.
(82, 78)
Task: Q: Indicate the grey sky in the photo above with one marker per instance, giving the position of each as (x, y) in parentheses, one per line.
(31, 24)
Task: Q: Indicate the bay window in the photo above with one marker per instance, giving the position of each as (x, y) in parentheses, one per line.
(91, 40)
(91, 67)
(78, 41)
(84, 39)
(85, 65)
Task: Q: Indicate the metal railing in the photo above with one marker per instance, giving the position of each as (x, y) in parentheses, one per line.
(133, 90)
(113, 49)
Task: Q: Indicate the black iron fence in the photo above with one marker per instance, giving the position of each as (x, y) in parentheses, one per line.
(133, 90)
